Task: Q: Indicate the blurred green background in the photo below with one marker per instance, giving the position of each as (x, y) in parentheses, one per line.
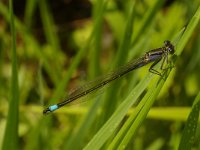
(60, 45)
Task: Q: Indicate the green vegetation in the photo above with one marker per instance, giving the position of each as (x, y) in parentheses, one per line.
(42, 58)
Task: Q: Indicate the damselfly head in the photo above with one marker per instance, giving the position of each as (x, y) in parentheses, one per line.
(169, 47)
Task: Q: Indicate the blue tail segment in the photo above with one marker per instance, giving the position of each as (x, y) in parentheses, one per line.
(50, 109)
(53, 107)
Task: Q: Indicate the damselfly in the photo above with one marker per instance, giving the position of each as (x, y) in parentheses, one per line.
(155, 55)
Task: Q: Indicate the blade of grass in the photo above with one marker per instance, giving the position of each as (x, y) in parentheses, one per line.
(148, 19)
(139, 117)
(11, 133)
(169, 113)
(48, 25)
(29, 12)
(98, 12)
(189, 131)
(116, 141)
(109, 127)
(76, 141)
(50, 34)
(121, 56)
(188, 32)
(29, 40)
(60, 88)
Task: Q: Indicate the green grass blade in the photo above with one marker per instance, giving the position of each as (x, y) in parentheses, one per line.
(121, 58)
(76, 141)
(60, 89)
(141, 113)
(49, 26)
(116, 141)
(169, 113)
(188, 32)
(189, 132)
(29, 12)
(109, 127)
(148, 19)
(11, 133)
(96, 46)
(50, 34)
(29, 40)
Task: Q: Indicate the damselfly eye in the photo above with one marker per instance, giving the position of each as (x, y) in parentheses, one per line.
(167, 43)
(169, 47)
